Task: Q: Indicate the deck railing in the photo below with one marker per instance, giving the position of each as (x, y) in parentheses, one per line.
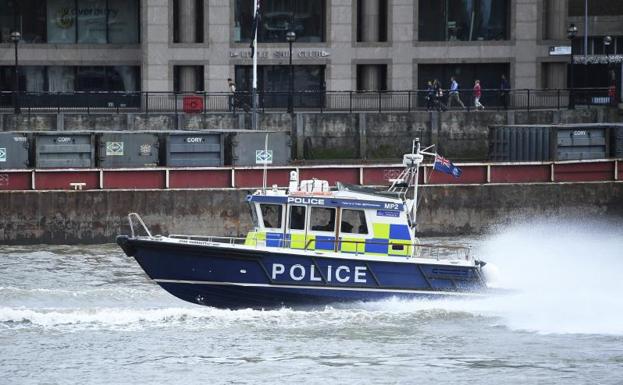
(310, 101)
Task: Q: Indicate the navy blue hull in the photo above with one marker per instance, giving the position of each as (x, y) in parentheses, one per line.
(234, 278)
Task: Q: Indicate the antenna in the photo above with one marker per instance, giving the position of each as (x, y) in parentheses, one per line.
(265, 164)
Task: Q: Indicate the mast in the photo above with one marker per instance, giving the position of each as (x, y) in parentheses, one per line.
(418, 160)
(256, 21)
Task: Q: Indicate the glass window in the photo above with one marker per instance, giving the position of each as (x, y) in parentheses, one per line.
(353, 222)
(372, 77)
(123, 21)
(271, 215)
(378, 16)
(181, 32)
(305, 17)
(322, 219)
(274, 80)
(119, 78)
(467, 20)
(25, 16)
(92, 21)
(297, 217)
(61, 21)
(61, 79)
(596, 8)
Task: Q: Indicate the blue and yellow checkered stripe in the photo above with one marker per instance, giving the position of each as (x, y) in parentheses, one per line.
(388, 239)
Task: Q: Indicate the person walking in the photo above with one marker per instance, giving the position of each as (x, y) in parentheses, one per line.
(454, 93)
(504, 92)
(430, 96)
(477, 94)
(232, 98)
(438, 96)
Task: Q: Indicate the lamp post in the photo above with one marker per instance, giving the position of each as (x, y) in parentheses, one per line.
(611, 89)
(291, 37)
(15, 38)
(571, 32)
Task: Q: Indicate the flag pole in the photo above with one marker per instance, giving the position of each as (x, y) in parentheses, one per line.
(254, 89)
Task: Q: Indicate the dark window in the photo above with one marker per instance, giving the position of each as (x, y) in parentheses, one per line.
(71, 21)
(297, 217)
(119, 78)
(188, 78)
(378, 16)
(463, 20)
(194, 35)
(489, 75)
(271, 215)
(273, 84)
(322, 219)
(596, 7)
(305, 17)
(26, 16)
(353, 222)
(372, 77)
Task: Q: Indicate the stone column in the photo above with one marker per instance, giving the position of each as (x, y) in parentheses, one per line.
(556, 20)
(188, 34)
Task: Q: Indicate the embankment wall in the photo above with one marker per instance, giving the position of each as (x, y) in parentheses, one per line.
(69, 217)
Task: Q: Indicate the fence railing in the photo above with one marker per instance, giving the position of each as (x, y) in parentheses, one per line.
(313, 101)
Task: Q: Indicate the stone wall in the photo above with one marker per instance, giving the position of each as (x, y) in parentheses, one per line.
(69, 217)
(323, 136)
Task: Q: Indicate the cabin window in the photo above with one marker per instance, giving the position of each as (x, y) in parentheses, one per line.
(297, 217)
(253, 214)
(271, 215)
(354, 222)
(322, 219)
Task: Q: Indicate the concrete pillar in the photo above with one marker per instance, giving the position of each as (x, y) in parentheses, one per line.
(370, 77)
(556, 21)
(370, 28)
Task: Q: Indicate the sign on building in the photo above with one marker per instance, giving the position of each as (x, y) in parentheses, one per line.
(263, 157)
(114, 148)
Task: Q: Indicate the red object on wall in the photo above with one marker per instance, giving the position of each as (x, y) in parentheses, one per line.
(15, 180)
(253, 177)
(193, 104)
(199, 178)
(520, 174)
(143, 179)
(60, 180)
(470, 175)
(584, 172)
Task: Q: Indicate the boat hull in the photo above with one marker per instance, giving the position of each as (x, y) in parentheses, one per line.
(232, 278)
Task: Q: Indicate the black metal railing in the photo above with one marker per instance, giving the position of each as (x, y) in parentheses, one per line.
(313, 101)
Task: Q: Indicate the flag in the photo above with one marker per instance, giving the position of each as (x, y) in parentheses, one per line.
(257, 20)
(444, 165)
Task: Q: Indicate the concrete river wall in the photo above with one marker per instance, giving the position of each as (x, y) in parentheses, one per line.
(69, 217)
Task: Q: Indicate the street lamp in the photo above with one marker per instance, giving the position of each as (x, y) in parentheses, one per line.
(571, 32)
(15, 38)
(290, 38)
(611, 90)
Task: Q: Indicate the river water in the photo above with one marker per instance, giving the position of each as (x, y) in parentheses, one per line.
(88, 315)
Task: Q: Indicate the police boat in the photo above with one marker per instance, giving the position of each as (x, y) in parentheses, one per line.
(312, 245)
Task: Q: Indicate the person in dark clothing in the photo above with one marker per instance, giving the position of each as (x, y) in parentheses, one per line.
(430, 96)
(439, 105)
(504, 92)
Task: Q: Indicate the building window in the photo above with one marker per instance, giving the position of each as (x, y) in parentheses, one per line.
(372, 20)
(475, 20)
(305, 17)
(188, 78)
(372, 77)
(71, 21)
(188, 21)
(596, 46)
(273, 84)
(70, 78)
(489, 74)
(596, 8)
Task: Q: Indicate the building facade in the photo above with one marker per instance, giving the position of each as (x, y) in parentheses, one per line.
(195, 45)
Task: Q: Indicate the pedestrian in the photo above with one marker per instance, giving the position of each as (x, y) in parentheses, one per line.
(430, 96)
(504, 92)
(477, 95)
(438, 96)
(454, 93)
(232, 98)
